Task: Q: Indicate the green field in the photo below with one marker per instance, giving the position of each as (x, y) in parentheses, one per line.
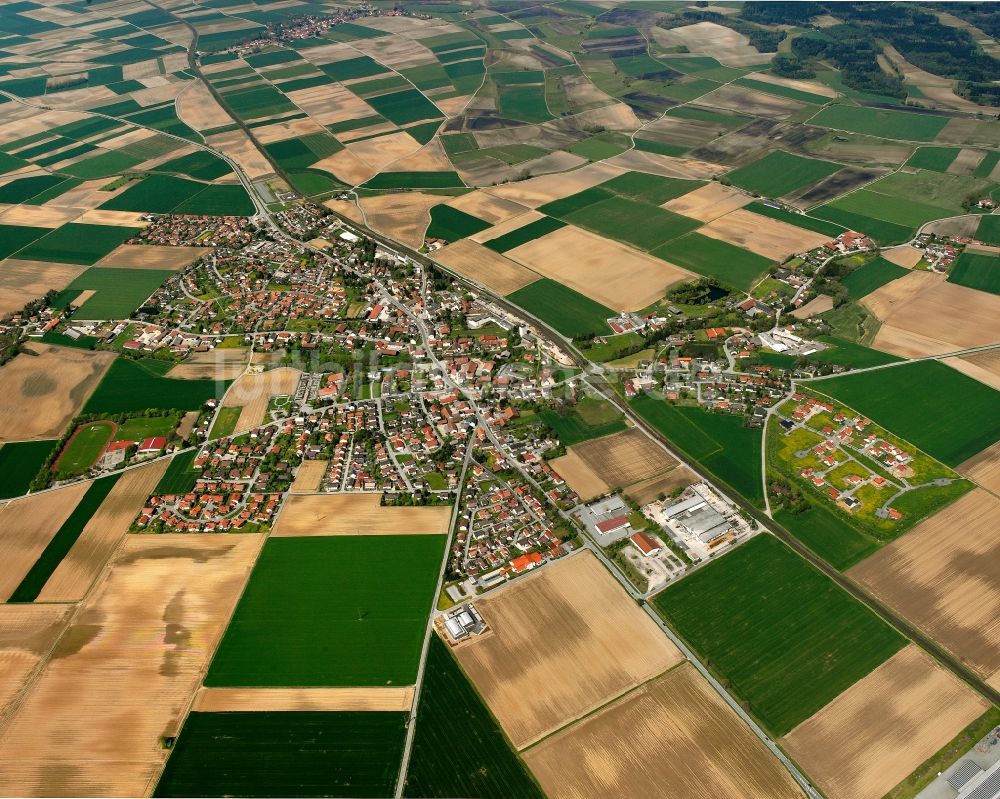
(451, 224)
(799, 220)
(77, 243)
(218, 201)
(84, 448)
(21, 190)
(590, 418)
(360, 67)
(258, 101)
(285, 754)
(873, 275)
(898, 210)
(524, 103)
(452, 711)
(179, 478)
(878, 122)
(988, 231)
(632, 222)
(225, 422)
(14, 237)
(119, 291)
(828, 535)
(566, 310)
(19, 463)
(937, 159)
(936, 408)
(415, 180)
(884, 233)
(652, 189)
(713, 258)
(404, 107)
(784, 638)
(522, 235)
(156, 194)
(61, 543)
(103, 165)
(141, 427)
(575, 202)
(340, 610)
(977, 271)
(850, 354)
(779, 173)
(133, 386)
(199, 164)
(719, 442)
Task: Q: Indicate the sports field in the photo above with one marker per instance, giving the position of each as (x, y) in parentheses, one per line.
(977, 271)
(785, 638)
(285, 754)
(779, 173)
(84, 448)
(948, 415)
(320, 611)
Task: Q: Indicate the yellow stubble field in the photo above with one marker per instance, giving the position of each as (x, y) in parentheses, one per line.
(357, 514)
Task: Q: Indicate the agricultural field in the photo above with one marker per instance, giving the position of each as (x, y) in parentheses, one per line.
(369, 594)
(19, 463)
(251, 393)
(714, 258)
(589, 418)
(358, 514)
(977, 271)
(785, 637)
(115, 292)
(570, 313)
(878, 122)
(134, 386)
(77, 243)
(871, 276)
(780, 173)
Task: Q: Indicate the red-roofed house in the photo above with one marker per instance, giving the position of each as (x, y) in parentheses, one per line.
(152, 444)
(610, 526)
(523, 563)
(646, 545)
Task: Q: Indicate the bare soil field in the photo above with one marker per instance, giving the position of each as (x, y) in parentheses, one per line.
(277, 131)
(565, 641)
(764, 236)
(347, 167)
(905, 256)
(396, 52)
(40, 393)
(683, 132)
(22, 281)
(966, 161)
(100, 537)
(122, 675)
(429, 158)
(489, 172)
(708, 202)
(666, 165)
(197, 107)
(487, 207)
(939, 91)
(625, 458)
(99, 216)
(346, 208)
(611, 273)
(403, 216)
(309, 476)
(874, 734)
(28, 525)
(983, 366)
(581, 92)
(27, 633)
(587, 483)
(185, 428)
(617, 116)
(752, 102)
(546, 188)
(253, 393)
(672, 738)
(38, 215)
(708, 38)
(811, 86)
(233, 700)
(955, 226)
(357, 514)
(484, 266)
(645, 491)
(969, 132)
(87, 195)
(817, 305)
(923, 314)
(983, 468)
(141, 256)
(944, 576)
(237, 145)
(513, 223)
(216, 364)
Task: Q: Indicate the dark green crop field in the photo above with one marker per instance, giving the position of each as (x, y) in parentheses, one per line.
(977, 271)
(575, 202)
(879, 122)
(652, 189)
(131, 386)
(451, 224)
(590, 418)
(218, 201)
(524, 103)
(850, 354)
(873, 275)
(404, 107)
(103, 165)
(360, 67)
(119, 291)
(883, 232)
(285, 754)
(77, 243)
(199, 164)
(829, 536)
(566, 310)
(156, 194)
(799, 220)
(713, 258)
(783, 636)
(258, 101)
(719, 442)
(452, 711)
(937, 159)
(632, 222)
(779, 173)
(19, 463)
(20, 190)
(522, 235)
(938, 409)
(179, 478)
(339, 610)
(989, 229)
(14, 237)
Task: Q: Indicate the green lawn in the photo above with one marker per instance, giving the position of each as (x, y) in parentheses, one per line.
(84, 448)
(141, 427)
(779, 173)
(977, 271)
(296, 753)
(339, 610)
(879, 122)
(522, 235)
(19, 463)
(119, 291)
(719, 442)
(225, 422)
(591, 418)
(941, 411)
(873, 275)
(451, 224)
(77, 243)
(452, 711)
(782, 636)
(713, 258)
(132, 386)
(566, 310)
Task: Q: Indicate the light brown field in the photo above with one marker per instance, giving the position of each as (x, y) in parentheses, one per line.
(101, 535)
(983, 366)
(923, 314)
(954, 226)
(347, 208)
(672, 738)
(625, 458)
(611, 273)
(485, 267)
(966, 161)
(122, 675)
(26, 527)
(565, 641)
(750, 101)
(935, 89)
(403, 216)
(140, 256)
(40, 393)
(186, 426)
(905, 256)
(99, 216)
(514, 223)
(581, 92)
(27, 633)
(708, 202)
(309, 476)
(83, 296)
(666, 165)
(198, 108)
(984, 468)
(87, 195)
(22, 281)
(362, 133)
(538, 191)
(237, 145)
(646, 491)
(278, 131)
(708, 38)
(216, 364)
(357, 514)
(874, 734)
(396, 52)
(821, 303)
(616, 116)
(944, 576)
(234, 700)
(337, 105)
(811, 86)
(578, 475)
(381, 151)
(38, 215)
(429, 158)
(764, 236)
(347, 167)
(253, 392)
(487, 207)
